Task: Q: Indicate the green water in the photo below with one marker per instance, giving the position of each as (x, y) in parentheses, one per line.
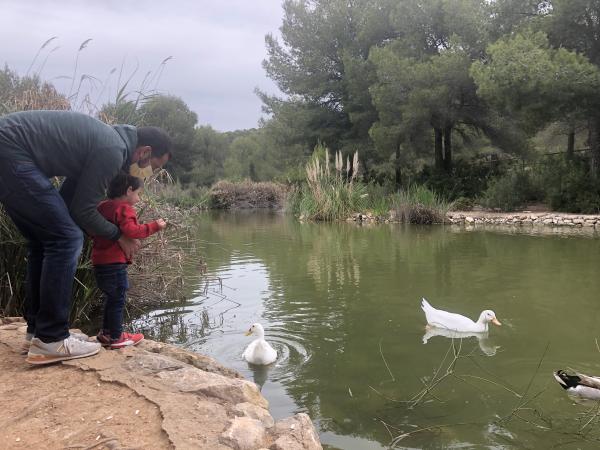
(340, 301)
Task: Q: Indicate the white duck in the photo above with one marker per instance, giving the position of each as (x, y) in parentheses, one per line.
(579, 384)
(456, 322)
(259, 351)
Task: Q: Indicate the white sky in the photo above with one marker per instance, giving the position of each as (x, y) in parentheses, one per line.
(217, 48)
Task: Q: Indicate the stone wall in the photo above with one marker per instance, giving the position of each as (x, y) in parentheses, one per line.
(547, 219)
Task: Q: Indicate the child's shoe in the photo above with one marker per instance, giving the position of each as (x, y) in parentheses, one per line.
(104, 339)
(126, 340)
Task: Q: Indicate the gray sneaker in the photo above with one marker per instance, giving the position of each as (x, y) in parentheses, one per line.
(69, 348)
(29, 337)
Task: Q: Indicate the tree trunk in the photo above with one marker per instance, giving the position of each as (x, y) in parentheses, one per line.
(398, 168)
(448, 149)
(439, 155)
(571, 144)
(594, 127)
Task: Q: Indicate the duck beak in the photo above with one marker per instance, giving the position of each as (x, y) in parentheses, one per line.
(496, 322)
(248, 333)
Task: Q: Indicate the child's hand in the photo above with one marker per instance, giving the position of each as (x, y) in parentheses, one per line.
(162, 223)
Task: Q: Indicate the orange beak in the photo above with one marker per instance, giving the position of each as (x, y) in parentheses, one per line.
(496, 322)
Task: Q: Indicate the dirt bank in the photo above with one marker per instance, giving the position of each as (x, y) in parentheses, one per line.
(154, 396)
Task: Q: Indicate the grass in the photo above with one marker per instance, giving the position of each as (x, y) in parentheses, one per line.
(419, 205)
(331, 192)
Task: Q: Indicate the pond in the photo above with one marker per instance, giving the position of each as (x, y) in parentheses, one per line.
(341, 304)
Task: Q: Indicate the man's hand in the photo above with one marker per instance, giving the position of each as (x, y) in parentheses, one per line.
(162, 223)
(129, 246)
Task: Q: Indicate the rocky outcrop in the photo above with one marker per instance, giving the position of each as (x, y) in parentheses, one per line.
(200, 404)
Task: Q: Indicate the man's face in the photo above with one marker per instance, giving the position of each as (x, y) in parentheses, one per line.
(158, 162)
(146, 159)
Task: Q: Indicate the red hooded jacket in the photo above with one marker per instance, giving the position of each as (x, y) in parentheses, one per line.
(124, 216)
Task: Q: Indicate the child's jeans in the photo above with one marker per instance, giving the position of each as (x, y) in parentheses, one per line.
(112, 281)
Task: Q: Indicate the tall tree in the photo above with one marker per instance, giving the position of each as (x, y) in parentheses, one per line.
(575, 25)
(174, 116)
(423, 75)
(528, 79)
(321, 66)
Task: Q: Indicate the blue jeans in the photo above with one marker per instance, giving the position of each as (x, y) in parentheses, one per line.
(112, 280)
(54, 244)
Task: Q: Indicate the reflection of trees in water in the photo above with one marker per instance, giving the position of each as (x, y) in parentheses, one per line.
(186, 325)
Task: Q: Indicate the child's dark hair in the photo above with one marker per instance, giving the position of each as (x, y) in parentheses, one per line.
(119, 185)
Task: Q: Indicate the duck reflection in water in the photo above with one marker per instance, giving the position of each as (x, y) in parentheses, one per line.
(260, 374)
(482, 338)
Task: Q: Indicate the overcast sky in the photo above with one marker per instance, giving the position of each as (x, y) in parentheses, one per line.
(217, 48)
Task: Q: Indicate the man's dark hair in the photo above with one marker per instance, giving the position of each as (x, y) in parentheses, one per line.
(156, 138)
(119, 185)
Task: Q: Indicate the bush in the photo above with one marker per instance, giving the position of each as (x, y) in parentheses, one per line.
(462, 204)
(511, 191)
(568, 186)
(246, 194)
(466, 179)
(190, 197)
(419, 205)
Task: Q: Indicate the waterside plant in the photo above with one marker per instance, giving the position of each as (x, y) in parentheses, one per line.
(330, 192)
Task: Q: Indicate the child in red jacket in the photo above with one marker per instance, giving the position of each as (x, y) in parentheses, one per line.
(110, 262)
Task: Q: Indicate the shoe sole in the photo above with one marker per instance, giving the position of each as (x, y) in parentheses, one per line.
(125, 345)
(44, 359)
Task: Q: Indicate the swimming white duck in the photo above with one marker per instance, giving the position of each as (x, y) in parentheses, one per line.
(259, 351)
(579, 384)
(456, 322)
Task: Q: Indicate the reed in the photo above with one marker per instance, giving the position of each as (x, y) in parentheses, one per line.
(332, 191)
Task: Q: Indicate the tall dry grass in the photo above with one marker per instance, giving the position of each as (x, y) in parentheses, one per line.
(332, 191)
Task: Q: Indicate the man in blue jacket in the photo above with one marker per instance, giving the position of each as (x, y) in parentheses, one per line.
(37, 145)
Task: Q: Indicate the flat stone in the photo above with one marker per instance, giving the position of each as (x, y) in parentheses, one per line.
(189, 379)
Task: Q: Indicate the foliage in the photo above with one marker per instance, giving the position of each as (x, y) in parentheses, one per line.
(568, 186)
(511, 191)
(419, 205)
(378, 199)
(331, 192)
(525, 76)
(183, 197)
(467, 178)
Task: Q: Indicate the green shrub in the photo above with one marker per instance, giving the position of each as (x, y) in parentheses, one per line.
(511, 191)
(462, 204)
(568, 186)
(190, 197)
(467, 179)
(419, 205)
